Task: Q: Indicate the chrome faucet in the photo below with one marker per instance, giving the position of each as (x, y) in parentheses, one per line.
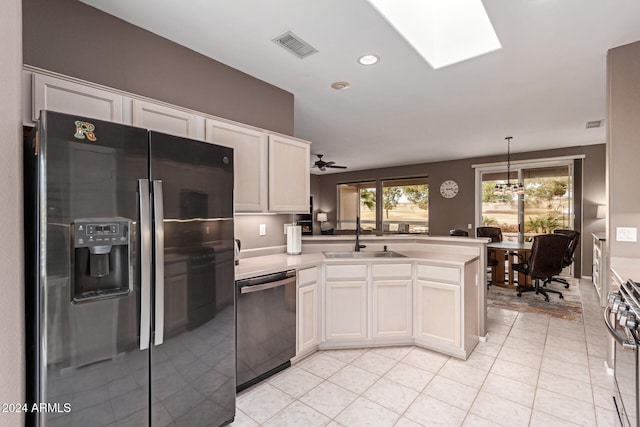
(358, 245)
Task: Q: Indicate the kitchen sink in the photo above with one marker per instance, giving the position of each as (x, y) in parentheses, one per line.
(364, 254)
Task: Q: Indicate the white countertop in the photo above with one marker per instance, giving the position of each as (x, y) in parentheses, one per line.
(258, 266)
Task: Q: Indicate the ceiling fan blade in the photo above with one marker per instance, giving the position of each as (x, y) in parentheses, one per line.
(337, 167)
(329, 164)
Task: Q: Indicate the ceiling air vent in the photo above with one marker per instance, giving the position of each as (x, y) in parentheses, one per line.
(594, 124)
(295, 45)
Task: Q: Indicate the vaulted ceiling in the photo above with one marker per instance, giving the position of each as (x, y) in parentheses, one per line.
(541, 87)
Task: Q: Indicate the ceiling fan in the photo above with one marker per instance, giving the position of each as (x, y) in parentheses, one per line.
(322, 165)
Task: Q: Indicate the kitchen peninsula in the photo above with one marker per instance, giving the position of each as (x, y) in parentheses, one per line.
(430, 294)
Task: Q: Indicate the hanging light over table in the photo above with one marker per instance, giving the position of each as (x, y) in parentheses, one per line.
(508, 188)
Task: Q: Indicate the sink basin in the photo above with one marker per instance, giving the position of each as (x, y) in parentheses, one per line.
(364, 254)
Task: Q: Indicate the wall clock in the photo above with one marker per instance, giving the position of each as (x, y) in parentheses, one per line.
(449, 189)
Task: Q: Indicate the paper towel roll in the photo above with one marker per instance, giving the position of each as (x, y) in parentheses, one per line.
(294, 240)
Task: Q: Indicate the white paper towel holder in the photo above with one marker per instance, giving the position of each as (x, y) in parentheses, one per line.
(294, 240)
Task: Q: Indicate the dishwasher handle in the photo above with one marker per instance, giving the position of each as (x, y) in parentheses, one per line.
(265, 286)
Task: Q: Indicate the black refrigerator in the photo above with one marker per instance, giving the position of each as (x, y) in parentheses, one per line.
(129, 277)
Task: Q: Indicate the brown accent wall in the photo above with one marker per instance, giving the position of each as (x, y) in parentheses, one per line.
(74, 39)
(623, 142)
(446, 214)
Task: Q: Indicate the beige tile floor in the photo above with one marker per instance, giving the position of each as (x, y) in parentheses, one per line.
(533, 370)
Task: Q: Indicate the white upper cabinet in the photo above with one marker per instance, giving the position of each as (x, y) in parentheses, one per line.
(289, 187)
(51, 93)
(169, 120)
(271, 171)
(249, 163)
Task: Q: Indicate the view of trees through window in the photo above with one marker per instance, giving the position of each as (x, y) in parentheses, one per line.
(403, 208)
(547, 202)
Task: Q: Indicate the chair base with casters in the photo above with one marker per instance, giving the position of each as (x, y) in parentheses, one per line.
(538, 290)
(545, 262)
(556, 279)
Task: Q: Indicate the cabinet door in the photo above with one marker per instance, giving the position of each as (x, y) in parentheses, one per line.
(175, 305)
(167, 120)
(50, 93)
(438, 313)
(250, 163)
(392, 308)
(307, 317)
(175, 301)
(288, 175)
(346, 310)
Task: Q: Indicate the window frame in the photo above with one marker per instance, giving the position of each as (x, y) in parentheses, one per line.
(519, 166)
(379, 208)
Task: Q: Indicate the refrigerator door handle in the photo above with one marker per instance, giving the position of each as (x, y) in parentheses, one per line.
(145, 262)
(158, 218)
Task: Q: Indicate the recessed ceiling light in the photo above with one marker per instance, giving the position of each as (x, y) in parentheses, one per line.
(340, 85)
(368, 59)
(442, 32)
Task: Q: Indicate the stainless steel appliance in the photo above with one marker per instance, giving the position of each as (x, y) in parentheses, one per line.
(622, 318)
(130, 276)
(266, 329)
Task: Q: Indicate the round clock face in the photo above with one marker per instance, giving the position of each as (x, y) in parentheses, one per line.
(449, 189)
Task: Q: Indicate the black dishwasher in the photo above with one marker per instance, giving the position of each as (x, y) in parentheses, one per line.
(266, 326)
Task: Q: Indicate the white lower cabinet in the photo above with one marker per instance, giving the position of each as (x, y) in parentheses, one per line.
(307, 312)
(438, 313)
(346, 310)
(175, 285)
(346, 302)
(432, 305)
(446, 307)
(392, 313)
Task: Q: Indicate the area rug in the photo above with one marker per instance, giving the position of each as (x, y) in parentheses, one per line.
(569, 308)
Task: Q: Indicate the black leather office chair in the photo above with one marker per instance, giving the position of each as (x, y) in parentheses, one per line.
(495, 234)
(568, 257)
(458, 232)
(546, 259)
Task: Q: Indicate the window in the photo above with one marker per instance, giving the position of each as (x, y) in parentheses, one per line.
(547, 203)
(357, 200)
(393, 205)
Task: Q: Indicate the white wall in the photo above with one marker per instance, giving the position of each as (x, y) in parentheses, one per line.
(11, 249)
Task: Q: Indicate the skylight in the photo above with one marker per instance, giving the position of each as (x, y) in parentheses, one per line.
(444, 32)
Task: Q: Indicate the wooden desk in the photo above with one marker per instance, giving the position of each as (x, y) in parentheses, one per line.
(501, 249)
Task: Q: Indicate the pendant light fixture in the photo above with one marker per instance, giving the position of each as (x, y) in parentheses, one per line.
(509, 188)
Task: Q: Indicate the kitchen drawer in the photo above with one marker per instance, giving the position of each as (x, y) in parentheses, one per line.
(438, 273)
(384, 271)
(307, 276)
(357, 271)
